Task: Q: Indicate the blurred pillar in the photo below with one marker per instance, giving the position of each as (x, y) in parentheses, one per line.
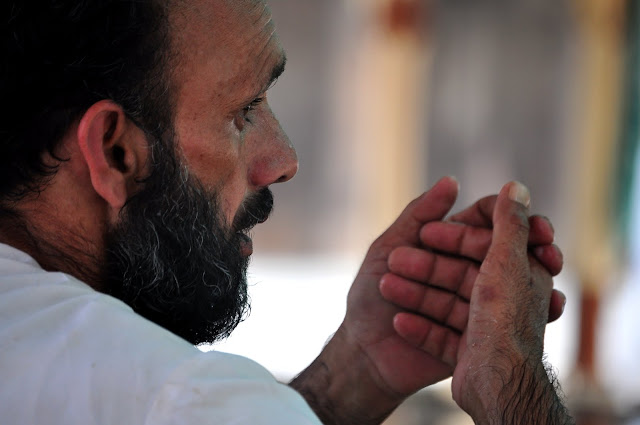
(381, 110)
(593, 161)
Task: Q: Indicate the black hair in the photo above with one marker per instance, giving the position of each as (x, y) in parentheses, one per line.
(61, 56)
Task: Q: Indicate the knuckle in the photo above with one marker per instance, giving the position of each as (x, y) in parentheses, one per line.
(519, 220)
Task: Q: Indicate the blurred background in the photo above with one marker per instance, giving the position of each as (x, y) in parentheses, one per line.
(383, 97)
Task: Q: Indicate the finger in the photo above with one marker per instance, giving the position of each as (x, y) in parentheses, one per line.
(457, 239)
(480, 214)
(452, 274)
(437, 201)
(431, 337)
(507, 262)
(473, 242)
(511, 223)
(551, 258)
(441, 306)
(541, 292)
(542, 281)
(432, 205)
(541, 231)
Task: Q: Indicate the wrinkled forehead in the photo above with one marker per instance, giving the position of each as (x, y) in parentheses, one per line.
(235, 37)
(211, 9)
(214, 24)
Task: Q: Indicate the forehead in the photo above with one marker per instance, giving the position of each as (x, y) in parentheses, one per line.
(231, 43)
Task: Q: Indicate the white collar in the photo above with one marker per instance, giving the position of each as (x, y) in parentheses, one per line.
(10, 253)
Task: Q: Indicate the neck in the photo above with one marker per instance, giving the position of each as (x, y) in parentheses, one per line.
(54, 246)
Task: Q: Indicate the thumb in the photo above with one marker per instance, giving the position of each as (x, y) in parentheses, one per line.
(510, 229)
(432, 205)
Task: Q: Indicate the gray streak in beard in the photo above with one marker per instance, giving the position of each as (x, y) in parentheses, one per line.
(173, 259)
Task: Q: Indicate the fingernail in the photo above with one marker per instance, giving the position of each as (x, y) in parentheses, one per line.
(519, 193)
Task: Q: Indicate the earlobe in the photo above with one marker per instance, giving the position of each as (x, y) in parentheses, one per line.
(113, 150)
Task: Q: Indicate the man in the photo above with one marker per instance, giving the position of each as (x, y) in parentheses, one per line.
(138, 147)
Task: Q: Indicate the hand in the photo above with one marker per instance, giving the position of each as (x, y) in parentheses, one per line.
(434, 289)
(499, 376)
(468, 234)
(367, 369)
(367, 365)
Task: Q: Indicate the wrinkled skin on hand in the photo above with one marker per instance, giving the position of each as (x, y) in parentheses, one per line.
(490, 329)
(369, 365)
(402, 368)
(499, 359)
(399, 367)
(434, 290)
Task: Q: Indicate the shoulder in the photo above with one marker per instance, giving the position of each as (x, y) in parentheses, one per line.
(71, 354)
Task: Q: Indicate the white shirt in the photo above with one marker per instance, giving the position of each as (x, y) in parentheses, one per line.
(71, 355)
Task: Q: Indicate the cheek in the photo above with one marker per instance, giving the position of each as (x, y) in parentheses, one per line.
(209, 148)
(216, 161)
(214, 167)
(231, 197)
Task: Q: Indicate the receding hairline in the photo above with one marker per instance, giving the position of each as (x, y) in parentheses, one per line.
(186, 6)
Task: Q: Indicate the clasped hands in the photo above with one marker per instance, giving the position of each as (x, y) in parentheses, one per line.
(467, 297)
(476, 296)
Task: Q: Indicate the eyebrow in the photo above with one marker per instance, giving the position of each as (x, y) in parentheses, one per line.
(276, 72)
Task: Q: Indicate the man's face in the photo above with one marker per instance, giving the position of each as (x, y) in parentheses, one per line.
(228, 56)
(179, 254)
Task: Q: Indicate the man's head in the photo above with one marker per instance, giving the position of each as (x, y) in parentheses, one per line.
(140, 146)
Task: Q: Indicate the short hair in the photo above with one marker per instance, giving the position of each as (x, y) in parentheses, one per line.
(61, 56)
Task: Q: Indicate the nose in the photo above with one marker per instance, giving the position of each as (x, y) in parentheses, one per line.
(275, 159)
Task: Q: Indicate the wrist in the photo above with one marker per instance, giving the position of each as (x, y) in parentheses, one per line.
(342, 386)
(526, 392)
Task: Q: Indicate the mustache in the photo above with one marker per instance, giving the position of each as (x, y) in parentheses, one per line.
(254, 210)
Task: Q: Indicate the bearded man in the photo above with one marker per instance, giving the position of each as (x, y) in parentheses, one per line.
(137, 149)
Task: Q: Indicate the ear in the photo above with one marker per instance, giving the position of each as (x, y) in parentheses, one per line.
(114, 149)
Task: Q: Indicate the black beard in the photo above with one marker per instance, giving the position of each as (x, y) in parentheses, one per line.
(174, 260)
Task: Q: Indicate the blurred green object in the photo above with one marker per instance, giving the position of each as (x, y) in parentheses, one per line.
(630, 126)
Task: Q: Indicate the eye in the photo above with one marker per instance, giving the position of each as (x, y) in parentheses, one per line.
(244, 115)
(253, 105)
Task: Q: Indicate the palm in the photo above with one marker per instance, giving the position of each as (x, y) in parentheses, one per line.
(402, 367)
(408, 351)
(408, 307)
